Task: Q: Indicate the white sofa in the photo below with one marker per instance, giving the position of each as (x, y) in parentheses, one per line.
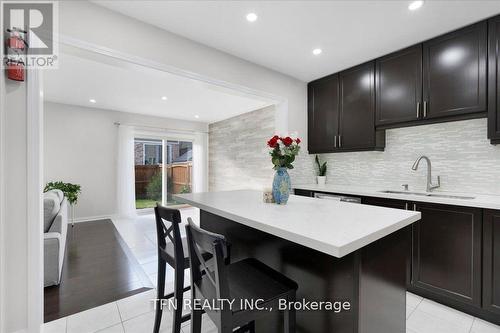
(55, 230)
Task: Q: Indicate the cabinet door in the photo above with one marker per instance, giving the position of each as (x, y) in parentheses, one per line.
(455, 73)
(494, 81)
(399, 86)
(491, 261)
(323, 114)
(357, 107)
(447, 252)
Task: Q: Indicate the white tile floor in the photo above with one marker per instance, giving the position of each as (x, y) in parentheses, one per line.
(135, 314)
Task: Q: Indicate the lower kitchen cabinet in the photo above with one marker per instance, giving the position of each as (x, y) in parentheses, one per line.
(447, 252)
(491, 261)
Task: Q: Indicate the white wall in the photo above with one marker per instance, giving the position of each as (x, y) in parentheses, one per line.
(81, 147)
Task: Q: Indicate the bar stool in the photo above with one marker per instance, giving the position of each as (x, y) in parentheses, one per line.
(175, 254)
(248, 279)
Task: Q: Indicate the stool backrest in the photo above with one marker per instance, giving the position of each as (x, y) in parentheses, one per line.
(167, 226)
(213, 274)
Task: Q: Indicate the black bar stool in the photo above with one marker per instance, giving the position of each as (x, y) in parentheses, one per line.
(175, 254)
(248, 279)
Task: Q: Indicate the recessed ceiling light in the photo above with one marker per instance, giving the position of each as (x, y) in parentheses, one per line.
(196, 116)
(317, 51)
(252, 17)
(92, 101)
(164, 98)
(414, 5)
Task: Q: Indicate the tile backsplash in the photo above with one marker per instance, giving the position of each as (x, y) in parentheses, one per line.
(460, 153)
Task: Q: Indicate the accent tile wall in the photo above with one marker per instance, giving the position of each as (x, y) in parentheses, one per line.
(459, 151)
(238, 156)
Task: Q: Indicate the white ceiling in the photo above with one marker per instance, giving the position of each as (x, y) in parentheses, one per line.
(120, 86)
(349, 32)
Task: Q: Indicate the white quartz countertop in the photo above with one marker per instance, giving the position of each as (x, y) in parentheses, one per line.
(335, 228)
(479, 201)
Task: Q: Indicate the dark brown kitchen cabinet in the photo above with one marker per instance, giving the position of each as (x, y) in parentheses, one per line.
(447, 252)
(323, 114)
(454, 73)
(399, 86)
(341, 112)
(494, 81)
(357, 110)
(491, 261)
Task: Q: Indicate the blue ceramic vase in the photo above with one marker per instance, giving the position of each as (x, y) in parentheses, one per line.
(281, 186)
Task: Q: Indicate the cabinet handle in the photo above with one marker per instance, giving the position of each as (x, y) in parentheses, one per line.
(340, 141)
(406, 206)
(415, 207)
(425, 109)
(418, 109)
(335, 141)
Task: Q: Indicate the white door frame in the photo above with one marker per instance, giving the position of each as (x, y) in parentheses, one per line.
(34, 96)
(35, 159)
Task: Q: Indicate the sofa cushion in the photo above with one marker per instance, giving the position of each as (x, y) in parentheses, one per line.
(59, 194)
(51, 206)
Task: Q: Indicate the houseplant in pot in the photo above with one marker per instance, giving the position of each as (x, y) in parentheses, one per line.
(283, 151)
(321, 178)
(71, 192)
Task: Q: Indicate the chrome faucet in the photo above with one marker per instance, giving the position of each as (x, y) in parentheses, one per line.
(430, 186)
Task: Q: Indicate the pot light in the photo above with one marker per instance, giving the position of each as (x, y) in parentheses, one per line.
(317, 51)
(414, 5)
(164, 98)
(93, 101)
(196, 116)
(252, 17)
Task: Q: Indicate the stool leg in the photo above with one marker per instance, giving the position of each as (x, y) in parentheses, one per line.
(195, 315)
(290, 316)
(251, 327)
(178, 295)
(160, 288)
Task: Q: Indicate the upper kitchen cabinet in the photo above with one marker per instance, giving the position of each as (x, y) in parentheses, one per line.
(494, 81)
(357, 110)
(323, 114)
(341, 112)
(454, 73)
(399, 87)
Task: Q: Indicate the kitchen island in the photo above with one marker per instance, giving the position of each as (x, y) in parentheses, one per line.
(335, 251)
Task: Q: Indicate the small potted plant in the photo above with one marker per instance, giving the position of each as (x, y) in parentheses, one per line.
(283, 151)
(71, 192)
(321, 178)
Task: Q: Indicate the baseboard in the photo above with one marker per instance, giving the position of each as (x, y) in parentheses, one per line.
(91, 218)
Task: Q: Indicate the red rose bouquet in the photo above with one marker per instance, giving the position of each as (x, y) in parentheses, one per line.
(283, 151)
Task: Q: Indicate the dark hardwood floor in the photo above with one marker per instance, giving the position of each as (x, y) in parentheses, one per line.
(99, 268)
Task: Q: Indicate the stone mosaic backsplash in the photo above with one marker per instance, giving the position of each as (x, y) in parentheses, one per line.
(460, 153)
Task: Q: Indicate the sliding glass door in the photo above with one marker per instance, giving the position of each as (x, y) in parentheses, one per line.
(148, 160)
(179, 168)
(163, 167)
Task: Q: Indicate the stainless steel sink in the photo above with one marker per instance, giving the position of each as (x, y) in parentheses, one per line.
(425, 194)
(451, 196)
(404, 192)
